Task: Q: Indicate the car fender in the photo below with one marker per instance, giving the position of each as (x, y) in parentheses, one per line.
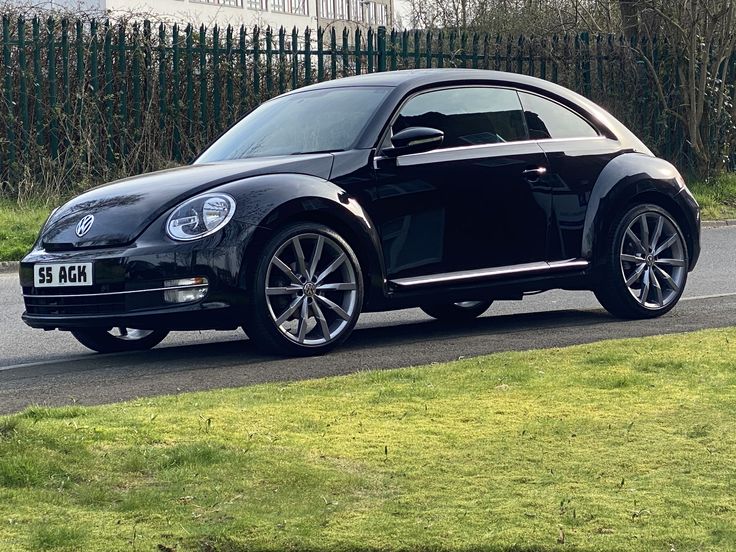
(623, 178)
(268, 201)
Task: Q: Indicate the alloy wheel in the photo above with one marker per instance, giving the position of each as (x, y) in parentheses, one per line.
(311, 289)
(653, 260)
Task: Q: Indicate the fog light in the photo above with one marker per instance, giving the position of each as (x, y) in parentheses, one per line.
(189, 289)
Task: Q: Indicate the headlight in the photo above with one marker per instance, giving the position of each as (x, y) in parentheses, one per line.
(200, 216)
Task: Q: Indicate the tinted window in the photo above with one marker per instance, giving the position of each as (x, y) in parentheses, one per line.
(547, 119)
(467, 116)
(310, 121)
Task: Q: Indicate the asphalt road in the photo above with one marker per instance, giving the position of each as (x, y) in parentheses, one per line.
(51, 368)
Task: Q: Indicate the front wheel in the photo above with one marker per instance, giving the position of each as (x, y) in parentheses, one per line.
(464, 311)
(119, 340)
(306, 292)
(644, 269)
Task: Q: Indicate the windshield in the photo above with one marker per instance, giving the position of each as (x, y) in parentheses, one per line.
(314, 121)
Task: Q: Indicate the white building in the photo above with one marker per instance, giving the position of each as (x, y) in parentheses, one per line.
(275, 13)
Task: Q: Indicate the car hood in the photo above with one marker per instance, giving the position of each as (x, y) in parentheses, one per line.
(122, 210)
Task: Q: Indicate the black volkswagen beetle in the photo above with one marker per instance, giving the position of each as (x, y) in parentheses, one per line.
(438, 189)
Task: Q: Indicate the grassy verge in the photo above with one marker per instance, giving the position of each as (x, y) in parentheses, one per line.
(620, 445)
(19, 227)
(717, 197)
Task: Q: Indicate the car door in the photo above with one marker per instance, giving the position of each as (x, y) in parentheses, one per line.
(478, 201)
(577, 153)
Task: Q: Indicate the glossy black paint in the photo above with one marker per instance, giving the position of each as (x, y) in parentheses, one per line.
(419, 214)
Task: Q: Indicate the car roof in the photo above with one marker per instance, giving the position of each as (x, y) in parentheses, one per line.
(406, 81)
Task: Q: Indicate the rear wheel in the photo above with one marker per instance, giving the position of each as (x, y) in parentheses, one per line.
(119, 340)
(644, 270)
(306, 293)
(463, 311)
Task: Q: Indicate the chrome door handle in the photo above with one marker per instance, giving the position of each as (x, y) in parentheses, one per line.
(534, 173)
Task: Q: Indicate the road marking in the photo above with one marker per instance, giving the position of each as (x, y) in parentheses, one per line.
(714, 296)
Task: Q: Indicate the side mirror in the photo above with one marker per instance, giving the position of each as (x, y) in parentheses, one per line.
(414, 140)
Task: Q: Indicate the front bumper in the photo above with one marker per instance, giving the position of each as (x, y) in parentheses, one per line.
(128, 287)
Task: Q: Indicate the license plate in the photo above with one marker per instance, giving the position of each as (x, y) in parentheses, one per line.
(60, 275)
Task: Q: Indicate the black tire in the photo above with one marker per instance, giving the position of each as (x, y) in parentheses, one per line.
(324, 332)
(457, 312)
(103, 341)
(611, 287)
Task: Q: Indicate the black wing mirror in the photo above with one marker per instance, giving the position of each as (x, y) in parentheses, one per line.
(414, 140)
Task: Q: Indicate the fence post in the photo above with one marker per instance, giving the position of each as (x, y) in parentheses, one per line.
(229, 81)
(190, 80)
(333, 53)
(282, 60)
(269, 62)
(475, 50)
(320, 54)
(203, 80)
(216, 88)
(23, 81)
(243, 71)
(175, 135)
(345, 58)
(393, 49)
(294, 59)
(137, 106)
(9, 162)
(256, 64)
(122, 91)
(382, 49)
(429, 49)
(54, 124)
(358, 51)
(369, 51)
(307, 57)
(440, 49)
(37, 80)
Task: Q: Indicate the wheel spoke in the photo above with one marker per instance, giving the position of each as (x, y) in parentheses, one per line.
(667, 243)
(631, 258)
(333, 266)
(345, 286)
(670, 282)
(303, 322)
(645, 288)
(637, 242)
(334, 307)
(301, 263)
(636, 275)
(657, 231)
(644, 225)
(291, 290)
(671, 262)
(320, 316)
(283, 267)
(316, 256)
(295, 304)
(657, 288)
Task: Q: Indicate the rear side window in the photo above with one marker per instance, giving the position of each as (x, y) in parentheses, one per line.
(547, 119)
(468, 116)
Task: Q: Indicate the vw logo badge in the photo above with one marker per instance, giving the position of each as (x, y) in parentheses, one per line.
(84, 225)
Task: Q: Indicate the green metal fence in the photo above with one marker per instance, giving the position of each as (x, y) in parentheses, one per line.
(83, 101)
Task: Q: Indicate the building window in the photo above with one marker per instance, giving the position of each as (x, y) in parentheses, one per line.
(326, 9)
(231, 3)
(261, 5)
(341, 9)
(356, 10)
(296, 7)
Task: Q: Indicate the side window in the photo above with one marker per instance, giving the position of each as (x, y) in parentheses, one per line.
(467, 116)
(547, 119)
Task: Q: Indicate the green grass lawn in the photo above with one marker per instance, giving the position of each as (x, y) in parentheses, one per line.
(19, 227)
(717, 197)
(622, 445)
